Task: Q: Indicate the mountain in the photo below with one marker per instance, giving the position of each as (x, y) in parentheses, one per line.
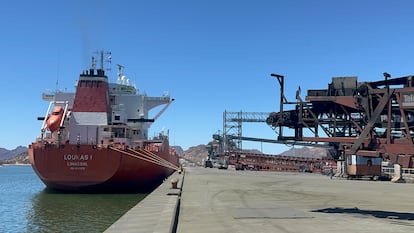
(198, 154)
(6, 154)
(306, 152)
(195, 154)
(178, 149)
(22, 158)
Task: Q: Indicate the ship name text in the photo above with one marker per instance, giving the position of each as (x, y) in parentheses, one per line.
(77, 162)
(77, 157)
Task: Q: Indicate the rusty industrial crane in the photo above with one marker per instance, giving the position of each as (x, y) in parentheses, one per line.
(367, 124)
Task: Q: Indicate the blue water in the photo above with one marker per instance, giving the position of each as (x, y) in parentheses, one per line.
(26, 206)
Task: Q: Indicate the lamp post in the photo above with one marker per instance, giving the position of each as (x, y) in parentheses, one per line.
(280, 78)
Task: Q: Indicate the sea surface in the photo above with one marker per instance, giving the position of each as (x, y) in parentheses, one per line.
(27, 206)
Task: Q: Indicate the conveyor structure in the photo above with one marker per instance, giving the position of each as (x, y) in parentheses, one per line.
(368, 124)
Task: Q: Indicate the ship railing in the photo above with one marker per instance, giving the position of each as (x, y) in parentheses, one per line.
(107, 134)
(124, 141)
(154, 141)
(115, 131)
(47, 138)
(48, 96)
(112, 140)
(161, 136)
(408, 171)
(390, 171)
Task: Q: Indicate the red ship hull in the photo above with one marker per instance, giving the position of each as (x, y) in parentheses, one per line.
(89, 168)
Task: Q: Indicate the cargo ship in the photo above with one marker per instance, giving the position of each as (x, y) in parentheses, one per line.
(96, 139)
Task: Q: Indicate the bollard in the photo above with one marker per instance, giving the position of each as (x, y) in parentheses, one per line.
(174, 183)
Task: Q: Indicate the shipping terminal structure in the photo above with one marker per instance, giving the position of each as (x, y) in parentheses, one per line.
(366, 125)
(96, 139)
(366, 129)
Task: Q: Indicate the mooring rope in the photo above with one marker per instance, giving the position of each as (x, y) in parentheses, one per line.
(155, 159)
(150, 154)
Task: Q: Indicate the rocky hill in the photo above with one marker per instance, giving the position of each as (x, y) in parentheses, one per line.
(22, 158)
(7, 154)
(195, 154)
(306, 152)
(178, 149)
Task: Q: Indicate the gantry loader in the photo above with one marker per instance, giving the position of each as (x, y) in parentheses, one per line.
(367, 125)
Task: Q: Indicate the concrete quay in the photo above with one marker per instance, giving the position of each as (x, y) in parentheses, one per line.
(157, 212)
(213, 200)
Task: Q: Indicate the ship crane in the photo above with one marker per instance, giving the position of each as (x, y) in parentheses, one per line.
(366, 124)
(160, 112)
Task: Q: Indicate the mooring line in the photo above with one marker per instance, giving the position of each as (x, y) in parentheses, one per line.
(147, 158)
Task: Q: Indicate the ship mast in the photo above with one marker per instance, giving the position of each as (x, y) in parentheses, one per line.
(102, 60)
(120, 68)
(93, 63)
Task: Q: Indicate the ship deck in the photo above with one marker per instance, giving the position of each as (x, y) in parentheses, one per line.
(212, 200)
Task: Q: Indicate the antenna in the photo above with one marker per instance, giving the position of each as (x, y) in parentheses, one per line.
(57, 72)
(102, 60)
(93, 63)
(109, 60)
(122, 79)
(120, 68)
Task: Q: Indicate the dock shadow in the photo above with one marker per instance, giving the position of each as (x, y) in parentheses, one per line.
(373, 213)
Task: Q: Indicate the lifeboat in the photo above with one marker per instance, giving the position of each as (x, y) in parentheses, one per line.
(53, 121)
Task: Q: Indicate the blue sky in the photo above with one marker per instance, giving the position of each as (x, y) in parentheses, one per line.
(210, 55)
